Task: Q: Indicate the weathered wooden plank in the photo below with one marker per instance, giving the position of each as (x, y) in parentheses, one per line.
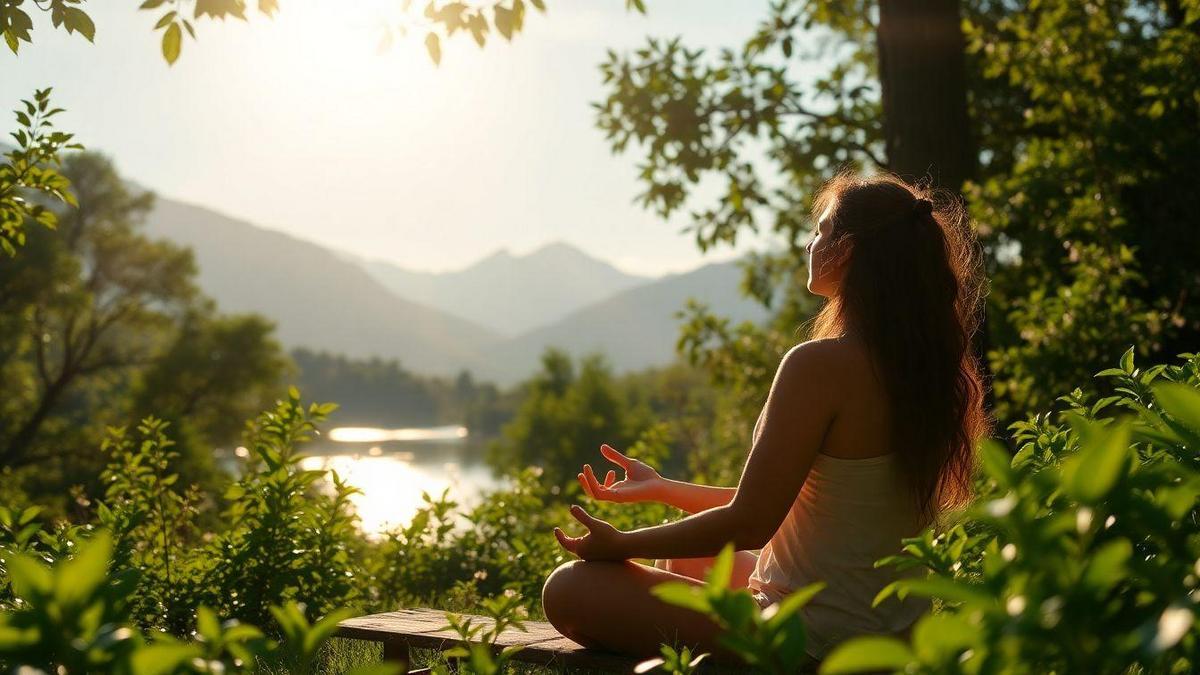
(423, 628)
(541, 643)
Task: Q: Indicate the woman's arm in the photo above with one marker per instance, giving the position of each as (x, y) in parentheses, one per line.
(693, 497)
(643, 484)
(799, 410)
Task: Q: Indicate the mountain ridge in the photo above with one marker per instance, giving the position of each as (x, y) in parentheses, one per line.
(322, 299)
(335, 305)
(512, 294)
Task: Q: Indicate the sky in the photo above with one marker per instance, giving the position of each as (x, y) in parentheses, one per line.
(301, 123)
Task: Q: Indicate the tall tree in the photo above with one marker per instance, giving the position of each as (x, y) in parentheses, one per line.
(106, 306)
(102, 325)
(922, 76)
(1083, 117)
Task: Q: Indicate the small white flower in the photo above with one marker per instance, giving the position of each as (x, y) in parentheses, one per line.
(1009, 552)
(999, 508)
(1083, 519)
(1174, 623)
(1015, 605)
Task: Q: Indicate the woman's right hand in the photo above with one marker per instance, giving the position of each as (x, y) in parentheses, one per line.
(641, 482)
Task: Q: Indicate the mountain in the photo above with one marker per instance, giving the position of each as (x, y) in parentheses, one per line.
(324, 300)
(511, 294)
(635, 329)
(316, 298)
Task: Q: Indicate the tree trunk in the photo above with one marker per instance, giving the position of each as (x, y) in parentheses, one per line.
(19, 444)
(922, 68)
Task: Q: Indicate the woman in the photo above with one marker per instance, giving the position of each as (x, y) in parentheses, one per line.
(867, 435)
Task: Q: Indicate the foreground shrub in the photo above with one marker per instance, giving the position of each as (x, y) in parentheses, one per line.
(73, 617)
(1082, 553)
(282, 540)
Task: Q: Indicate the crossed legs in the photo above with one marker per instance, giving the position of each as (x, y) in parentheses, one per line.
(609, 605)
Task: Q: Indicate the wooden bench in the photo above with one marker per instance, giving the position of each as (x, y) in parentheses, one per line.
(541, 644)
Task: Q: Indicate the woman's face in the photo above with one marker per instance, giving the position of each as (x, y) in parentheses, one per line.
(824, 263)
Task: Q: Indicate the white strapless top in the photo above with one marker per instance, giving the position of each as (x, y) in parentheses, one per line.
(848, 514)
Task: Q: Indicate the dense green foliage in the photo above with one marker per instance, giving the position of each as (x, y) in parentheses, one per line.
(100, 325)
(29, 173)
(16, 24)
(1081, 553)
(377, 392)
(1084, 117)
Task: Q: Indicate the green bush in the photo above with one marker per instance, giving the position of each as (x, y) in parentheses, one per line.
(73, 617)
(1082, 551)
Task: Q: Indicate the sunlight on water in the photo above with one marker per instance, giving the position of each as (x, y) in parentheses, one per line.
(393, 481)
(377, 435)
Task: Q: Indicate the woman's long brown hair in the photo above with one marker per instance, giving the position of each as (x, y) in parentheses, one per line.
(911, 291)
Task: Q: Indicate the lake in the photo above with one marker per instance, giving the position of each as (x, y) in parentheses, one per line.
(393, 467)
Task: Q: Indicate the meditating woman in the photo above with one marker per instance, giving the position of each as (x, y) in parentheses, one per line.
(866, 437)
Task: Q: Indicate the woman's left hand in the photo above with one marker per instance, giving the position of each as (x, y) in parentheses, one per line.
(602, 541)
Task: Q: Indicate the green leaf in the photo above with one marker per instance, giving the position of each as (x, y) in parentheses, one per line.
(207, 624)
(434, 47)
(941, 587)
(1127, 360)
(1180, 401)
(29, 578)
(77, 20)
(172, 42)
(160, 659)
(1107, 565)
(85, 571)
(682, 594)
(997, 462)
(722, 569)
(939, 637)
(1093, 472)
(504, 21)
(793, 602)
(864, 654)
(324, 629)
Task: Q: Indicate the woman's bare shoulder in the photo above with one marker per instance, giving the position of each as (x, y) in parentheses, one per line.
(833, 351)
(838, 363)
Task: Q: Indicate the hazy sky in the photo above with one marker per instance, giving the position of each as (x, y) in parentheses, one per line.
(299, 123)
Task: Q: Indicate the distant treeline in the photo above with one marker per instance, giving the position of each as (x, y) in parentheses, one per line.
(381, 393)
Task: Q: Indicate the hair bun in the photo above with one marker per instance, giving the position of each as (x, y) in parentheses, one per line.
(922, 207)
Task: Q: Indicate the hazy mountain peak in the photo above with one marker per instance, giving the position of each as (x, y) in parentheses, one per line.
(557, 247)
(511, 293)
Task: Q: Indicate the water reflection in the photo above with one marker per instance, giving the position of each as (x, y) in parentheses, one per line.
(398, 465)
(377, 435)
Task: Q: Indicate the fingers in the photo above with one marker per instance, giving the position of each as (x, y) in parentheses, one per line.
(613, 456)
(595, 489)
(583, 517)
(569, 543)
(587, 489)
(610, 478)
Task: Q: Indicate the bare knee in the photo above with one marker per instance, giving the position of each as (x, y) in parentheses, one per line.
(564, 599)
(560, 595)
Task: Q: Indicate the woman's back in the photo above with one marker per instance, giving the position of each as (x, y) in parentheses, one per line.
(853, 509)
